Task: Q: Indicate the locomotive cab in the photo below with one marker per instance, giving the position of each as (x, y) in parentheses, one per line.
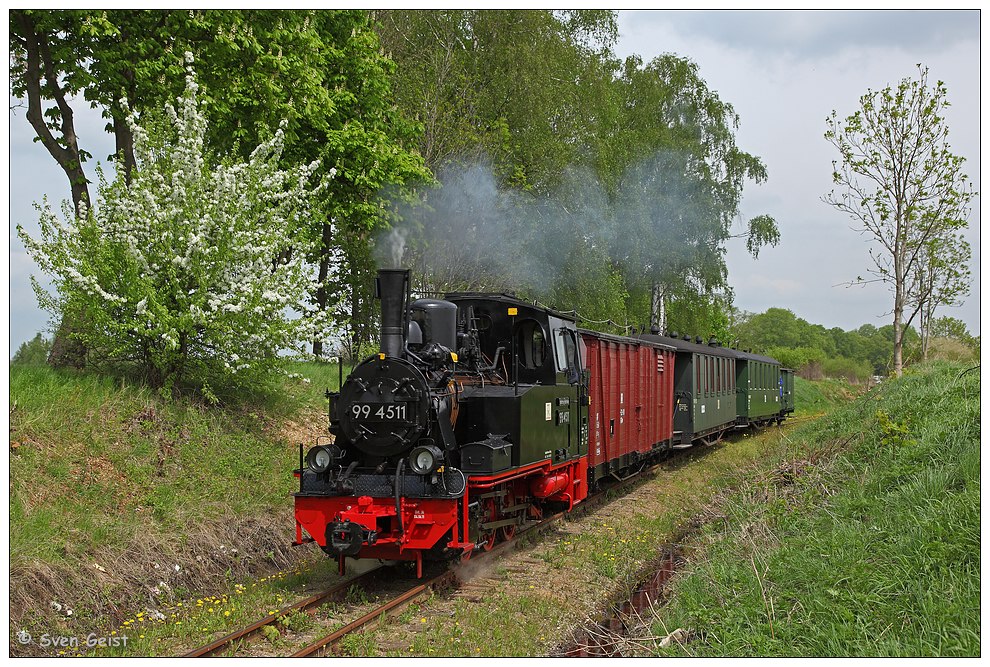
(528, 411)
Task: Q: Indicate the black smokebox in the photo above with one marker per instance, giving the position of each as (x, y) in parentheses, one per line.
(392, 287)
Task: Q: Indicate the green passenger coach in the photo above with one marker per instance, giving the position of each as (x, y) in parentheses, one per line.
(704, 388)
(758, 389)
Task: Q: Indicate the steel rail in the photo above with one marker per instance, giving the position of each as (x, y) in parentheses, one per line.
(303, 605)
(407, 598)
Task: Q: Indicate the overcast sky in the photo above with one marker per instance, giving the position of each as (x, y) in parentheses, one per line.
(784, 72)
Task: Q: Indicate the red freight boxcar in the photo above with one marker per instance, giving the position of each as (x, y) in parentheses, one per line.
(631, 389)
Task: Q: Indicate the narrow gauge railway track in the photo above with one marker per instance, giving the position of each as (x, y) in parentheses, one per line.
(325, 644)
(229, 641)
(448, 579)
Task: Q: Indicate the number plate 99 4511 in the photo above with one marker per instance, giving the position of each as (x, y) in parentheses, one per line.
(383, 412)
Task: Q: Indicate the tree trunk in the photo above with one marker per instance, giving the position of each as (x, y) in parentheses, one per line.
(658, 313)
(124, 147)
(66, 150)
(67, 351)
(898, 341)
(321, 290)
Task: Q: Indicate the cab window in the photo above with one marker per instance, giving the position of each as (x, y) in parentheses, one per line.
(531, 344)
(565, 353)
(560, 349)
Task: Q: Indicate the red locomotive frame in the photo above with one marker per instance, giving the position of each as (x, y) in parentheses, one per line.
(425, 522)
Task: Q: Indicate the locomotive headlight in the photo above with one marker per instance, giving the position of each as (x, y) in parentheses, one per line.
(319, 459)
(425, 459)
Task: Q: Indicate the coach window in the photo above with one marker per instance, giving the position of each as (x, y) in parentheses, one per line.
(697, 375)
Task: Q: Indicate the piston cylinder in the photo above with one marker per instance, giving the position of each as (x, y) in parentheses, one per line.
(544, 487)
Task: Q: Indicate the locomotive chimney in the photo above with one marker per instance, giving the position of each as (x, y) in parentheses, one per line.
(392, 287)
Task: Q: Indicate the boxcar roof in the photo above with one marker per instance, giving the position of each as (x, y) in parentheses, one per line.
(625, 339)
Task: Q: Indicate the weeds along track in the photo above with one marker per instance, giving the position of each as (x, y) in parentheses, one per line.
(234, 639)
(325, 645)
(447, 580)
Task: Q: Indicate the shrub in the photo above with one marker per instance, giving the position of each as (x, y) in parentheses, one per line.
(848, 369)
(188, 268)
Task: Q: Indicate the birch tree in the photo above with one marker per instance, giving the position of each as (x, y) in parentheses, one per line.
(899, 181)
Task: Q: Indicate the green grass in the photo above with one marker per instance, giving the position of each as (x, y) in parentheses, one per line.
(96, 463)
(105, 472)
(820, 396)
(98, 459)
(867, 544)
(198, 620)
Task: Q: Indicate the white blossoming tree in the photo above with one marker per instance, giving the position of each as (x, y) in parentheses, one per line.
(194, 271)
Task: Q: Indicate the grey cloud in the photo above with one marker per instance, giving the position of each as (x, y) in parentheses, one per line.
(808, 34)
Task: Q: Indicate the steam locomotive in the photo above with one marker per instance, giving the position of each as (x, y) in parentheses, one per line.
(482, 413)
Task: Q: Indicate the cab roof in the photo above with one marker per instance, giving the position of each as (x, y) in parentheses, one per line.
(508, 300)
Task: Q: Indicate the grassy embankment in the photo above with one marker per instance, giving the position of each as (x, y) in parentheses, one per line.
(122, 502)
(594, 556)
(866, 543)
(111, 488)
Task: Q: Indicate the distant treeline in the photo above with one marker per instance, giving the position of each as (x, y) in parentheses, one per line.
(855, 355)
